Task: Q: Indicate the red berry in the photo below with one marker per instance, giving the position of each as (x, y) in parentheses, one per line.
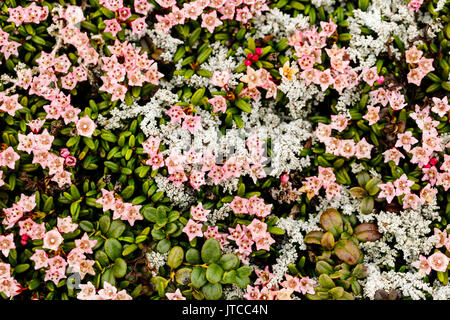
(258, 51)
(250, 55)
(255, 58)
(247, 62)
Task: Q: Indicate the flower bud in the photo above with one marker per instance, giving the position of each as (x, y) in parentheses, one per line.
(247, 62)
(284, 178)
(71, 161)
(64, 152)
(258, 51)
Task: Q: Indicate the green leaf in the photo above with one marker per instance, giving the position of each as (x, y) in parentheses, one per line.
(214, 273)
(198, 277)
(211, 251)
(163, 246)
(193, 256)
(229, 261)
(120, 268)
(212, 291)
(104, 222)
(175, 258)
(149, 213)
(116, 229)
(113, 248)
(244, 271)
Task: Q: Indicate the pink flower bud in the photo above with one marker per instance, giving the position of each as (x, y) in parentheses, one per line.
(433, 161)
(284, 178)
(258, 51)
(24, 239)
(71, 161)
(380, 79)
(255, 58)
(64, 152)
(250, 55)
(248, 62)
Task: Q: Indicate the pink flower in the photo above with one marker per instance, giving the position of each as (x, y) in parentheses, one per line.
(324, 79)
(219, 103)
(107, 200)
(426, 65)
(438, 261)
(243, 15)
(402, 185)
(306, 285)
(87, 292)
(5, 270)
(86, 127)
(138, 26)
(239, 205)
(7, 244)
(414, 5)
(392, 155)
(112, 26)
(8, 158)
(369, 75)
(108, 292)
(291, 282)
(387, 191)
(347, 148)
(210, 21)
(65, 225)
(193, 230)
(220, 78)
(264, 242)
(85, 244)
(338, 122)
(70, 161)
(197, 179)
(176, 114)
(422, 264)
(328, 27)
(52, 240)
(54, 275)
(440, 106)
(198, 213)
(413, 55)
(363, 149)
(192, 123)
(175, 296)
(264, 276)
(372, 115)
(257, 228)
(64, 152)
(333, 189)
(442, 237)
(11, 105)
(124, 13)
(411, 200)
(406, 140)
(415, 76)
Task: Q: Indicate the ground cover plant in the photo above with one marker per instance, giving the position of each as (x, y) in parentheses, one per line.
(224, 149)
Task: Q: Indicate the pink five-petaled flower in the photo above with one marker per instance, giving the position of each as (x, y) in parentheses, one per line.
(372, 115)
(40, 259)
(369, 75)
(219, 103)
(8, 158)
(264, 276)
(175, 295)
(210, 21)
(65, 225)
(108, 292)
(192, 123)
(176, 114)
(107, 200)
(86, 127)
(112, 26)
(7, 243)
(405, 140)
(387, 191)
(413, 55)
(440, 106)
(193, 230)
(414, 5)
(392, 155)
(443, 239)
(438, 261)
(85, 244)
(291, 282)
(198, 213)
(338, 122)
(306, 285)
(220, 78)
(52, 240)
(363, 149)
(402, 185)
(422, 264)
(239, 205)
